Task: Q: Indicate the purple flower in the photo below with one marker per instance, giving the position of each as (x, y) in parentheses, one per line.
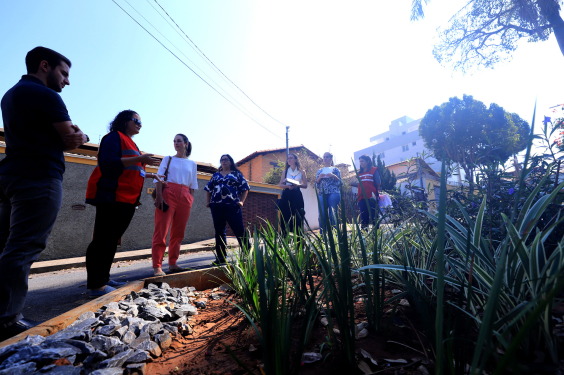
(511, 191)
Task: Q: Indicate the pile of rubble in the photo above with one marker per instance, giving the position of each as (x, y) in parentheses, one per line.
(120, 338)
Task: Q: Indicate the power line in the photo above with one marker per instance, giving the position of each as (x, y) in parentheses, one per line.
(216, 66)
(179, 50)
(192, 70)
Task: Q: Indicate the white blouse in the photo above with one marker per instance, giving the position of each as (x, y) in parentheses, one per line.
(294, 174)
(181, 171)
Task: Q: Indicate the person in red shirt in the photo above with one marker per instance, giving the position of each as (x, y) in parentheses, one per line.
(370, 181)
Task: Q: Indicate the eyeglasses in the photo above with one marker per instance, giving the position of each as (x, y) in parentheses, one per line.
(224, 160)
(136, 121)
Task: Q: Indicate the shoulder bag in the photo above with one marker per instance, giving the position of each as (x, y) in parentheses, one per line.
(154, 193)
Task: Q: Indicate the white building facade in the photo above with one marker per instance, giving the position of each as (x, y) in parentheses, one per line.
(402, 142)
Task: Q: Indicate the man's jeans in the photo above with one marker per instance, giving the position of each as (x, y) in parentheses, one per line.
(28, 210)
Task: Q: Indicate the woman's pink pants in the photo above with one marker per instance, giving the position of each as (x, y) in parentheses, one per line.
(180, 200)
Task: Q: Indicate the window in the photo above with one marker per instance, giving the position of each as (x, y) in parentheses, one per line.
(405, 148)
(414, 144)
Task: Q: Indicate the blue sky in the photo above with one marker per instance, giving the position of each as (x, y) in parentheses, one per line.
(336, 72)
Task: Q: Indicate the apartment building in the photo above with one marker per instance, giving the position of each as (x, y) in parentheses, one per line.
(402, 142)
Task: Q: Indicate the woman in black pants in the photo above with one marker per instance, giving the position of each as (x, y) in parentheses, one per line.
(292, 201)
(226, 194)
(114, 188)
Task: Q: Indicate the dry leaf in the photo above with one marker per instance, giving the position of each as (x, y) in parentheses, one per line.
(362, 334)
(395, 360)
(367, 355)
(311, 357)
(252, 348)
(363, 366)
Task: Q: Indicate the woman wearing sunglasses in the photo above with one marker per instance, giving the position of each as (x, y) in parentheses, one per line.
(173, 204)
(226, 194)
(114, 188)
(292, 201)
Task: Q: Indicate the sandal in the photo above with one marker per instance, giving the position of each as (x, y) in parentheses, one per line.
(159, 274)
(177, 270)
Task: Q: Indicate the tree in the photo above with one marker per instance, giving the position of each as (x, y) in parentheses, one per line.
(467, 132)
(274, 174)
(388, 178)
(485, 32)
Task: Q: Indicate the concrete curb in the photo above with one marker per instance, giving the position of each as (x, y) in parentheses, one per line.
(63, 264)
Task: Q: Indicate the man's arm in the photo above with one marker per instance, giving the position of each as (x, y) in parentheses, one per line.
(72, 136)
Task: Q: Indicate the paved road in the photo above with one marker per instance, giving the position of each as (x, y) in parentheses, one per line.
(54, 293)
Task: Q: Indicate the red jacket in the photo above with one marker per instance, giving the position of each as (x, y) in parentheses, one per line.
(367, 181)
(125, 185)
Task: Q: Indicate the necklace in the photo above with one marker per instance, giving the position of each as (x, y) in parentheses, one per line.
(292, 173)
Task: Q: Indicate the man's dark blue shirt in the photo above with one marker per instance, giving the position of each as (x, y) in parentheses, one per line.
(34, 148)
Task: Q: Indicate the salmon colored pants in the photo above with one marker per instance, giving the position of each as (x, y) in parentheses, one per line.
(180, 200)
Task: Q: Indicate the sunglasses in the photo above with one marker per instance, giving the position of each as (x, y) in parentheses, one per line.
(224, 160)
(136, 121)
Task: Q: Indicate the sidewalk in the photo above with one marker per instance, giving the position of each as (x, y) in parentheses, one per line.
(62, 264)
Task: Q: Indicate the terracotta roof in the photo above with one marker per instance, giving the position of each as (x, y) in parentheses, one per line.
(90, 150)
(262, 152)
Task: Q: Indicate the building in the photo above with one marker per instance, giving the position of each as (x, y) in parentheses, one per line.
(73, 228)
(402, 142)
(256, 165)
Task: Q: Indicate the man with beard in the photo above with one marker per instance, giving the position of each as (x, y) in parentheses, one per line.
(37, 130)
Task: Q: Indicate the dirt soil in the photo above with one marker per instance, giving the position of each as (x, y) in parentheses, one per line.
(222, 324)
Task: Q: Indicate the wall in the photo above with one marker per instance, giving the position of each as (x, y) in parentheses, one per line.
(311, 207)
(72, 232)
(256, 168)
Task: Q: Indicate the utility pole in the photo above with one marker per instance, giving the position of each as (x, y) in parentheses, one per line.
(287, 149)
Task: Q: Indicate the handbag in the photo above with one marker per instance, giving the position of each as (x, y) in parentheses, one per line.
(154, 193)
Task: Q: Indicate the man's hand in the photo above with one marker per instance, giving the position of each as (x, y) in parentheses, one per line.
(149, 159)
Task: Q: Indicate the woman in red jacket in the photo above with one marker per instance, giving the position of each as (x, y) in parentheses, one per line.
(114, 188)
(370, 180)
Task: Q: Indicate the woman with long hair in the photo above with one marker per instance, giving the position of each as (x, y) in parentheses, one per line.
(328, 183)
(114, 188)
(370, 181)
(226, 194)
(173, 203)
(292, 201)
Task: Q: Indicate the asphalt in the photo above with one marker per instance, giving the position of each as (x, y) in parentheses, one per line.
(63, 289)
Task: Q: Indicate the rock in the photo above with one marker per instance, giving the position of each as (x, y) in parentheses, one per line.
(359, 327)
(152, 328)
(171, 328)
(60, 370)
(112, 320)
(139, 356)
(140, 301)
(84, 347)
(128, 337)
(186, 330)
(215, 297)
(136, 369)
(173, 292)
(151, 313)
(150, 346)
(404, 302)
(108, 371)
(164, 340)
(114, 350)
(201, 303)
(107, 330)
(72, 334)
(86, 324)
(9, 350)
(118, 360)
(225, 288)
(323, 322)
(22, 369)
(185, 310)
(133, 311)
(86, 315)
(422, 369)
(144, 336)
(94, 359)
(165, 286)
(191, 288)
(104, 343)
(152, 286)
(121, 331)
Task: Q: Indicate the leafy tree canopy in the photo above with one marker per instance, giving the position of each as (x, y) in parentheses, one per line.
(485, 32)
(388, 178)
(467, 132)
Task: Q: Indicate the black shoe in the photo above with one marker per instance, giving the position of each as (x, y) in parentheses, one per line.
(16, 328)
(219, 263)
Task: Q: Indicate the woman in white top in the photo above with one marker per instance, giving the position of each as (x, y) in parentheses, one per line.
(173, 203)
(292, 201)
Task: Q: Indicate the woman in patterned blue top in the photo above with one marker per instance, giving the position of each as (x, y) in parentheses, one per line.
(226, 193)
(328, 183)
